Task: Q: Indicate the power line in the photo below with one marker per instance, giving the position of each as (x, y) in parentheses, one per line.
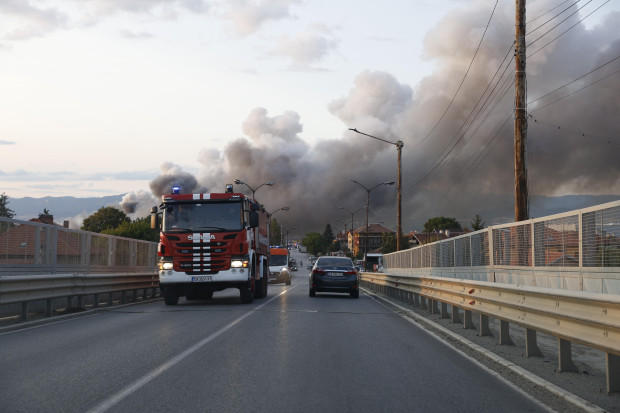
(582, 134)
(454, 141)
(533, 30)
(464, 77)
(473, 165)
(564, 32)
(549, 11)
(573, 81)
(567, 17)
(576, 91)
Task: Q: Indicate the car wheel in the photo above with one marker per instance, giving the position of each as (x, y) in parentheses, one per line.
(355, 294)
(312, 292)
(170, 296)
(288, 281)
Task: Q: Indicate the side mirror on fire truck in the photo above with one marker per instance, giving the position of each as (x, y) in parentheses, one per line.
(253, 219)
(154, 218)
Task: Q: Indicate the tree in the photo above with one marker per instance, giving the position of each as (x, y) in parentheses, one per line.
(314, 243)
(477, 223)
(328, 236)
(138, 229)
(388, 242)
(441, 223)
(5, 211)
(275, 233)
(105, 218)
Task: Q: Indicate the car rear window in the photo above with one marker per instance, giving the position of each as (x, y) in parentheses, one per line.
(335, 262)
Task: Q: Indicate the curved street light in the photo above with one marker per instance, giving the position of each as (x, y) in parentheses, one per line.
(368, 190)
(240, 182)
(399, 186)
(279, 209)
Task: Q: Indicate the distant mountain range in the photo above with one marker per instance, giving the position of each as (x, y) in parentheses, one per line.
(62, 207)
(76, 209)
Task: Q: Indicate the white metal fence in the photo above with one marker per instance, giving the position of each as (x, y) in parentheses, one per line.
(577, 250)
(34, 248)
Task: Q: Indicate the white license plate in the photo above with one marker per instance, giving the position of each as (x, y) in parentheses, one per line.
(201, 279)
(334, 274)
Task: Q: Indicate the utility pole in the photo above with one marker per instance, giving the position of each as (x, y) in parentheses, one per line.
(399, 190)
(399, 187)
(520, 129)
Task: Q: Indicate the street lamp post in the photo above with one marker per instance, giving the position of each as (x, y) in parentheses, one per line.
(278, 210)
(352, 213)
(270, 215)
(239, 182)
(399, 147)
(368, 190)
(345, 230)
(287, 230)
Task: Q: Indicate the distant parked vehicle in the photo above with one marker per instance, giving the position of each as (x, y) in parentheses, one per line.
(334, 274)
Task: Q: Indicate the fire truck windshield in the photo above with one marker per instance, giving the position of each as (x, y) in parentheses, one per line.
(203, 217)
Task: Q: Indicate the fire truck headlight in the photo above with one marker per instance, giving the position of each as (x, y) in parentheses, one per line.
(165, 263)
(235, 263)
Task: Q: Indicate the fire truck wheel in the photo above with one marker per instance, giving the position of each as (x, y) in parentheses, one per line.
(170, 296)
(259, 291)
(247, 292)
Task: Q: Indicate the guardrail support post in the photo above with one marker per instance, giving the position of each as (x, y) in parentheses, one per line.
(48, 307)
(565, 358)
(455, 315)
(444, 310)
(467, 320)
(504, 334)
(423, 305)
(434, 308)
(25, 311)
(531, 347)
(484, 326)
(613, 373)
(416, 300)
(96, 303)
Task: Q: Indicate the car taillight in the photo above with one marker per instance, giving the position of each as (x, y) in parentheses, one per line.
(319, 271)
(350, 272)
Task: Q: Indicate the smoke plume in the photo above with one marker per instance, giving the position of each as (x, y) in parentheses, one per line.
(460, 169)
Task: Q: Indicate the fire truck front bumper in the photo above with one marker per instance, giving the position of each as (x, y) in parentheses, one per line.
(177, 277)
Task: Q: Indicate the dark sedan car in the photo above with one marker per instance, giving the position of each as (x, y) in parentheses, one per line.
(334, 275)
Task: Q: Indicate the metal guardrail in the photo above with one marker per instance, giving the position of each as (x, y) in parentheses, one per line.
(590, 319)
(86, 288)
(577, 250)
(28, 247)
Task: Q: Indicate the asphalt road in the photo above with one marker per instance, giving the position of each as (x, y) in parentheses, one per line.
(287, 352)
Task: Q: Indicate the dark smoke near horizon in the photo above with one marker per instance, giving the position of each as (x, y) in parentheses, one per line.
(477, 176)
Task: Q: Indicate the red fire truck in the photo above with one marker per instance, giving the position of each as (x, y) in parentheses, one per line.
(209, 242)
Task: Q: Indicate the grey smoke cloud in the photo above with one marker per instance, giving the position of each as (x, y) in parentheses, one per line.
(137, 204)
(477, 177)
(174, 175)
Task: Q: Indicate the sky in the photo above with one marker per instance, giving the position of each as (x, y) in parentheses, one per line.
(102, 97)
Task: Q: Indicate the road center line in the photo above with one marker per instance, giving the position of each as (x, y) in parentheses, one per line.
(136, 385)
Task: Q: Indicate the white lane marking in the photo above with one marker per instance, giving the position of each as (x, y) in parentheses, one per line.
(133, 387)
